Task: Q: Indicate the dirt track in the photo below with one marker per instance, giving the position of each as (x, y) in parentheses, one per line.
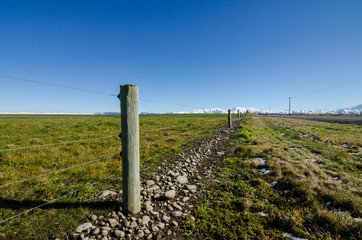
(176, 187)
(331, 119)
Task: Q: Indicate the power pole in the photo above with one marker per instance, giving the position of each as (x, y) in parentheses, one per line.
(290, 98)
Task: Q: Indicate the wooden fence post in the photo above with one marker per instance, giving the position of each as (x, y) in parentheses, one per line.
(229, 118)
(130, 149)
(238, 114)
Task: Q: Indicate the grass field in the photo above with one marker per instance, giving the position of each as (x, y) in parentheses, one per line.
(285, 176)
(158, 134)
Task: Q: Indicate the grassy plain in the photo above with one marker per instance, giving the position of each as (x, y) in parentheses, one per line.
(312, 188)
(158, 135)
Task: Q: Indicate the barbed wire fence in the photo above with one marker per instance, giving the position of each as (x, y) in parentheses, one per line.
(113, 156)
(88, 163)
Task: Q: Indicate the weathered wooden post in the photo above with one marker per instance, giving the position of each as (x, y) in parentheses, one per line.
(229, 118)
(130, 149)
(238, 114)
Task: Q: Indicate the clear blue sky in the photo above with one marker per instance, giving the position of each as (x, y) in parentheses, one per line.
(201, 53)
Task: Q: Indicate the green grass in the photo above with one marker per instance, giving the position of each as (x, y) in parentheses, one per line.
(297, 203)
(60, 218)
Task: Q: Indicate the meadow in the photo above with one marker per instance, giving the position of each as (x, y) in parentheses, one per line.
(285, 177)
(66, 167)
(281, 176)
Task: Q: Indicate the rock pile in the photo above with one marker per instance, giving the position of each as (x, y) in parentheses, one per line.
(166, 199)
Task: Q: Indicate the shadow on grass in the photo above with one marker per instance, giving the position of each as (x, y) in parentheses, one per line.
(27, 204)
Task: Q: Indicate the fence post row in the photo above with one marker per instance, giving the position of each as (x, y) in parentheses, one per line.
(130, 149)
(229, 118)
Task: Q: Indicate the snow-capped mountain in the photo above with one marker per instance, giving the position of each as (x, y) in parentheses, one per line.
(358, 107)
(219, 110)
(353, 110)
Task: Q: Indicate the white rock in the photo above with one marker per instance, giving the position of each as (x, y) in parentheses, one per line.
(160, 225)
(289, 235)
(220, 154)
(83, 227)
(262, 161)
(166, 218)
(182, 179)
(176, 213)
(148, 206)
(145, 220)
(185, 199)
(153, 188)
(191, 187)
(113, 222)
(119, 234)
(175, 205)
(170, 194)
(263, 214)
(264, 170)
(104, 194)
(133, 224)
(104, 232)
(95, 231)
(125, 223)
(150, 182)
(140, 233)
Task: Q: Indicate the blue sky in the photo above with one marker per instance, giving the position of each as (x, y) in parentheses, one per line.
(201, 53)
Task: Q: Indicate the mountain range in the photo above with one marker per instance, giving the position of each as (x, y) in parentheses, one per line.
(352, 110)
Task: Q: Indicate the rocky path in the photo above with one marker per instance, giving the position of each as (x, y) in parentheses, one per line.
(167, 199)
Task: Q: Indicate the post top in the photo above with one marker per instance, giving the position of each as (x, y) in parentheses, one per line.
(129, 85)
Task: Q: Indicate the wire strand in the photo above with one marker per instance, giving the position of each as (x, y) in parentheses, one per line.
(54, 144)
(170, 103)
(91, 91)
(186, 124)
(354, 79)
(60, 170)
(84, 140)
(56, 85)
(65, 195)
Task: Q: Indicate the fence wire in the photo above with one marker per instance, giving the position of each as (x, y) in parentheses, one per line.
(84, 140)
(60, 170)
(63, 196)
(54, 144)
(90, 162)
